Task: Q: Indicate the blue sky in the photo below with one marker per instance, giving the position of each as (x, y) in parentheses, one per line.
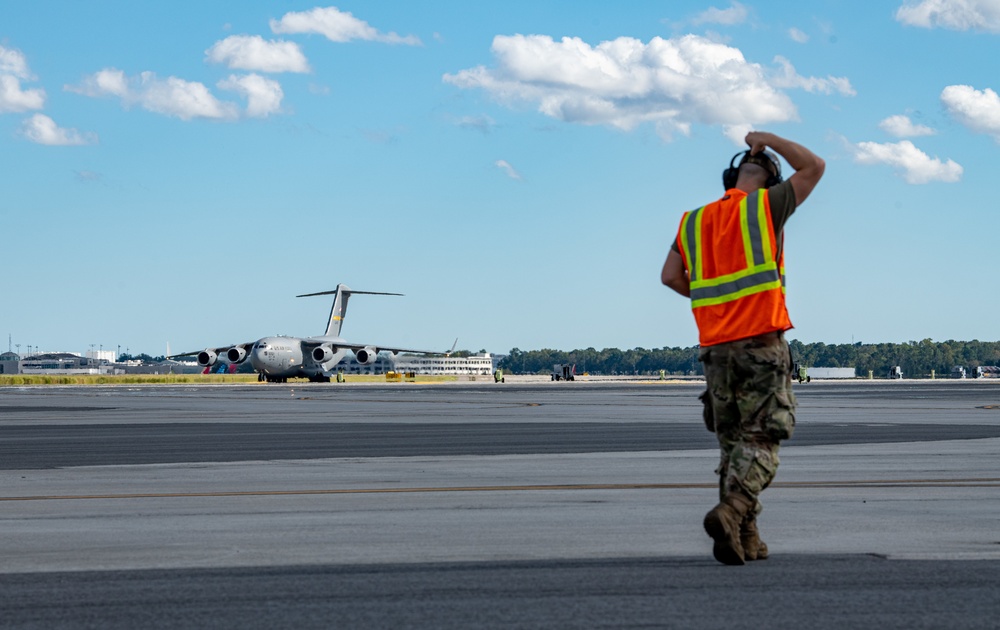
(175, 173)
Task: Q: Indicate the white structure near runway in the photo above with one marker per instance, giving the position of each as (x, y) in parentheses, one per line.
(830, 372)
(477, 365)
(63, 363)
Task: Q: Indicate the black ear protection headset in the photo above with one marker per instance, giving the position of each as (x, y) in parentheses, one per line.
(765, 159)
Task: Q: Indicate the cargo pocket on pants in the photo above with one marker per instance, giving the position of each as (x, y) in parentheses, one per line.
(760, 473)
(780, 423)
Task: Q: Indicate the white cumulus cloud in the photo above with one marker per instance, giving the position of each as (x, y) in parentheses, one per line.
(106, 82)
(737, 134)
(337, 26)
(184, 99)
(735, 14)
(506, 167)
(13, 62)
(902, 127)
(43, 130)
(915, 166)
(13, 70)
(798, 35)
(253, 52)
(958, 15)
(622, 83)
(171, 96)
(15, 99)
(789, 78)
(263, 95)
(977, 110)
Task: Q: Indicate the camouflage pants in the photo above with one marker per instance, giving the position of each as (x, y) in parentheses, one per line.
(750, 406)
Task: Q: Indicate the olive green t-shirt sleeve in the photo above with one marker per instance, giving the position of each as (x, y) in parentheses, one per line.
(782, 201)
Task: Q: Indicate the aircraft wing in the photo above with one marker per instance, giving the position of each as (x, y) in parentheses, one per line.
(361, 346)
(220, 351)
(340, 343)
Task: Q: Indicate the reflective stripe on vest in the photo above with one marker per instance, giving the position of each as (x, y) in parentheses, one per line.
(761, 272)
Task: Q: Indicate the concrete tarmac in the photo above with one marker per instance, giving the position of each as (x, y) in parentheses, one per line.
(573, 504)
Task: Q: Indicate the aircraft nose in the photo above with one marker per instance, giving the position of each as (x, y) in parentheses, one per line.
(256, 357)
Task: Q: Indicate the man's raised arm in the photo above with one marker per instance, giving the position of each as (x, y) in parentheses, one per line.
(808, 166)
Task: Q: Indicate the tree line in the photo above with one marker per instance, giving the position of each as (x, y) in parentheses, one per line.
(916, 358)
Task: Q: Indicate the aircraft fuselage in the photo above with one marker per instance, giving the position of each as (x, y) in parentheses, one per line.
(290, 357)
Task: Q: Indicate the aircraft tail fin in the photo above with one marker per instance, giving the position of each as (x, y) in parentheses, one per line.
(339, 309)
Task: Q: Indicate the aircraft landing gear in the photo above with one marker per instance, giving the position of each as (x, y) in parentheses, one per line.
(319, 378)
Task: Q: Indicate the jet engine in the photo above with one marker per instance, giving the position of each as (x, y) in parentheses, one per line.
(207, 358)
(366, 355)
(322, 354)
(236, 354)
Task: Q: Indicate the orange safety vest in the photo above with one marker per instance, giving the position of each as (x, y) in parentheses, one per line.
(737, 275)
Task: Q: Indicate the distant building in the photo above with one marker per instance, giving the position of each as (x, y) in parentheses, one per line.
(63, 363)
(10, 363)
(477, 365)
(163, 367)
(108, 356)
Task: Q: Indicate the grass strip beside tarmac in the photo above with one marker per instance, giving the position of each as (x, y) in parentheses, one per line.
(124, 379)
(180, 379)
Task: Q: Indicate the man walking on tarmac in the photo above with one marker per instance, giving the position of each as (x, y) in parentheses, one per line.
(728, 258)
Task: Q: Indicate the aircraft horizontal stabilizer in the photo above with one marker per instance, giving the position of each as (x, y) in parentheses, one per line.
(352, 291)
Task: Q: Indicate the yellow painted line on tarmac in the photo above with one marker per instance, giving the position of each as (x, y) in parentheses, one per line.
(874, 483)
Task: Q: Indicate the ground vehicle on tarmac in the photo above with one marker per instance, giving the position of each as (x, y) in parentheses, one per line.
(800, 373)
(564, 372)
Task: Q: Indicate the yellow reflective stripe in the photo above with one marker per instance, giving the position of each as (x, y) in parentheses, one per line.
(685, 244)
(745, 232)
(765, 235)
(735, 285)
(699, 273)
(729, 297)
(730, 277)
(691, 241)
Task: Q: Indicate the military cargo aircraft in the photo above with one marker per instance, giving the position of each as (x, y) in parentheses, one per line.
(276, 359)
